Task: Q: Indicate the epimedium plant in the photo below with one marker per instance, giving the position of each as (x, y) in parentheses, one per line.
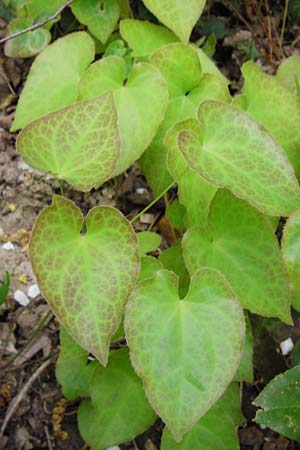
(155, 98)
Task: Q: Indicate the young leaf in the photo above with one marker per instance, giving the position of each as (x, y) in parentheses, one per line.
(144, 37)
(270, 103)
(216, 430)
(255, 272)
(28, 44)
(245, 370)
(118, 409)
(148, 242)
(172, 259)
(53, 79)
(185, 360)
(231, 150)
(179, 15)
(149, 266)
(141, 100)
(280, 403)
(79, 143)
(86, 278)
(288, 74)
(176, 213)
(291, 255)
(100, 16)
(4, 288)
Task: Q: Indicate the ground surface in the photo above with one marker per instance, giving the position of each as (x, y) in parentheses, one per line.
(43, 415)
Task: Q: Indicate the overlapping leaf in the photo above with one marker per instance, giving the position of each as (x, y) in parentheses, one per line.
(230, 149)
(241, 245)
(86, 278)
(79, 143)
(272, 104)
(100, 16)
(245, 370)
(291, 255)
(141, 100)
(53, 79)
(185, 361)
(148, 242)
(216, 430)
(178, 15)
(288, 74)
(280, 403)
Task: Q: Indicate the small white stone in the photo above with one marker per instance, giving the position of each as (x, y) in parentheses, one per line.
(33, 291)
(140, 190)
(113, 448)
(21, 298)
(8, 246)
(286, 346)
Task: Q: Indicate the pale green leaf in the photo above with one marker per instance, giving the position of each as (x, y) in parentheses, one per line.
(288, 74)
(276, 108)
(197, 205)
(280, 403)
(85, 277)
(141, 100)
(208, 66)
(144, 37)
(149, 266)
(185, 360)
(79, 143)
(241, 244)
(118, 409)
(28, 44)
(245, 370)
(176, 213)
(216, 430)
(231, 150)
(53, 79)
(100, 16)
(172, 259)
(178, 15)
(148, 242)
(291, 255)
(40, 9)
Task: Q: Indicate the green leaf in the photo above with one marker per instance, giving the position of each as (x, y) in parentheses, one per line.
(53, 79)
(184, 360)
(241, 244)
(280, 401)
(270, 104)
(175, 213)
(79, 143)
(39, 9)
(144, 37)
(149, 266)
(118, 409)
(245, 370)
(197, 206)
(28, 44)
(231, 150)
(4, 288)
(216, 430)
(141, 100)
(85, 277)
(172, 259)
(148, 242)
(100, 16)
(179, 15)
(72, 371)
(288, 74)
(208, 66)
(291, 255)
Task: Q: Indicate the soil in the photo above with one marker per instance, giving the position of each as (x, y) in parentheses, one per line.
(44, 419)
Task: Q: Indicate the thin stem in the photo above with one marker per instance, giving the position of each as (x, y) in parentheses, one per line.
(38, 24)
(152, 203)
(286, 6)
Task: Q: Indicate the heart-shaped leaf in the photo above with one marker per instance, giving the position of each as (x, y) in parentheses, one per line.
(149, 266)
(28, 44)
(227, 244)
(185, 361)
(53, 79)
(291, 255)
(148, 242)
(178, 15)
(86, 278)
(100, 16)
(141, 100)
(231, 150)
(288, 74)
(214, 431)
(280, 401)
(272, 104)
(79, 143)
(172, 259)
